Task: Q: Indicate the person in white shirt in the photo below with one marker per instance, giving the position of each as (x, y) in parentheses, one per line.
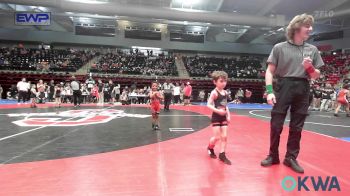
(116, 93)
(22, 88)
(1, 91)
(84, 93)
(176, 92)
(41, 86)
(124, 97)
(201, 95)
(167, 89)
(133, 96)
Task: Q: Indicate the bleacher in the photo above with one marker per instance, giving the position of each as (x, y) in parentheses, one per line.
(243, 67)
(135, 64)
(65, 60)
(336, 67)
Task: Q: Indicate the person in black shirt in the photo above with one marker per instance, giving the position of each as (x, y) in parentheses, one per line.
(311, 95)
(326, 97)
(317, 98)
(51, 90)
(106, 93)
(111, 87)
(13, 91)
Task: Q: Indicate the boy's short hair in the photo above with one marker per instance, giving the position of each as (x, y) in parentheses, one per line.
(219, 74)
(154, 82)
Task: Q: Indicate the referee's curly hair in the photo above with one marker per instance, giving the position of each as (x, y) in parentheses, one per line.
(297, 22)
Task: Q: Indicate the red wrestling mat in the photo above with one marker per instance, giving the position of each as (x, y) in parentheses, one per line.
(182, 167)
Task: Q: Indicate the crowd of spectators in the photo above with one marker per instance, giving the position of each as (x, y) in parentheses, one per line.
(242, 67)
(89, 91)
(45, 60)
(135, 63)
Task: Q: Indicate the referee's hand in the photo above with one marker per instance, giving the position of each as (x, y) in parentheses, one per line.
(271, 99)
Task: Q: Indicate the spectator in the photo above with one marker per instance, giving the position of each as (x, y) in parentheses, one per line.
(116, 93)
(111, 87)
(124, 97)
(13, 91)
(201, 95)
(168, 89)
(187, 93)
(44, 60)
(51, 90)
(176, 92)
(248, 96)
(243, 67)
(317, 98)
(229, 96)
(133, 87)
(133, 96)
(22, 88)
(90, 83)
(33, 96)
(1, 91)
(41, 91)
(85, 93)
(95, 94)
(182, 87)
(106, 93)
(76, 91)
(68, 93)
(326, 97)
(141, 96)
(28, 93)
(57, 94)
(100, 86)
(240, 95)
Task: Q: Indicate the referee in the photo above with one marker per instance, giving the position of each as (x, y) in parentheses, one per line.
(168, 90)
(76, 91)
(292, 63)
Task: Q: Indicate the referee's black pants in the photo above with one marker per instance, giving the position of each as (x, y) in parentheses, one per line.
(22, 95)
(290, 93)
(167, 100)
(76, 97)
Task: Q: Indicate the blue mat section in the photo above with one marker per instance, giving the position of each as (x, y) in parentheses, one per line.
(6, 101)
(345, 139)
(248, 106)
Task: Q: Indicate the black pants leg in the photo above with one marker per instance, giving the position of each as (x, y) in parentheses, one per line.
(295, 127)
(277, 121)
(27, 95)
(50, 96)
(298, 114)
(167, 100)
(76, 97)
(292, 94)
(22, 95)
(176, 99)
(117, 97)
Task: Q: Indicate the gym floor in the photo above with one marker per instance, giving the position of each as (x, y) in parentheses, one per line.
(112, 150)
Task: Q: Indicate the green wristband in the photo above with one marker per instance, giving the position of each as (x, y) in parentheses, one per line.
(269, 89)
